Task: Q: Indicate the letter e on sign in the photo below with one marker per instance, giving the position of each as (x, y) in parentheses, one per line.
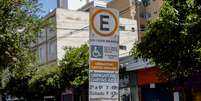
(104, 22)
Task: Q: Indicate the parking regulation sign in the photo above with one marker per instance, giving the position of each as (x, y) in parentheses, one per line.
(104, 34)
(104, 55)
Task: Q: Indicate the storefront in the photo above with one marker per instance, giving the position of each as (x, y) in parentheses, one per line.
(194, 84)
(128, 77)
(128, 86)
(151, 87)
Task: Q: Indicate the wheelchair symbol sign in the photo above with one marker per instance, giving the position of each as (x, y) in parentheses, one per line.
(96, 51)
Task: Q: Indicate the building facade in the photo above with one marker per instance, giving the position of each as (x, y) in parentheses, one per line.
(147, 10)
(126, 8)
(71, 29)
(72, 4)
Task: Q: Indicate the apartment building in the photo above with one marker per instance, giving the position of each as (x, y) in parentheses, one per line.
(147, 10)
(126, 8)
(140, 10)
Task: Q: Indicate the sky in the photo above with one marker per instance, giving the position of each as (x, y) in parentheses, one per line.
(47, 5)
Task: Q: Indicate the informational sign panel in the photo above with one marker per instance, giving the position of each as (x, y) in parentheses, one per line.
(103, 86)
(104, 55)
(104, 35)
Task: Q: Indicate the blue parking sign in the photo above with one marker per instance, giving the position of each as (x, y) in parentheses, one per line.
(96, 51)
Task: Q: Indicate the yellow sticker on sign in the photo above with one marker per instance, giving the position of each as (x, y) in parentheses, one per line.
(104, 65)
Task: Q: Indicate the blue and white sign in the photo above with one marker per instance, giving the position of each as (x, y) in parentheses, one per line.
(104, 77)
(96, 51)
(103, 86)
(104, 53)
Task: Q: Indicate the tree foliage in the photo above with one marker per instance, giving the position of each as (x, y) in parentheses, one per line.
(46, 82)
(19, 25)
(20, 76)
(173, 41)
(72, 72)
(74, 66)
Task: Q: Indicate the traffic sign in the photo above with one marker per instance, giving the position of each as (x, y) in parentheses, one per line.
(96, 51)
(104, 65)
(103, 90)
(104, 77)
(104, 55)
(104, 34)
(104, 22)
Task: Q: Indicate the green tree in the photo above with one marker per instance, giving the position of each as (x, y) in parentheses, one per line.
(72, 72)
(173, 41)
(19, 25)
(74, 66)
(46, 81)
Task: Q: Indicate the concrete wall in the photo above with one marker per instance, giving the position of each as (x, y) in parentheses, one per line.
(70, 29)
(125, 7)
(128, 36)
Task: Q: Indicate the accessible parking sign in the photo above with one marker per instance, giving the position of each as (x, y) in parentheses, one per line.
(104, 55)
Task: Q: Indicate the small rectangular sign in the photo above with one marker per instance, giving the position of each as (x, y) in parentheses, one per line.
(104, 77)
(103, 90)
(104, 65)
(104, 52)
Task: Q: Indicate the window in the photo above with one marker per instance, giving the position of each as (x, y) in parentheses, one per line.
(52, 49)
(142, 27)
(41, 34)
(123, 47)
(122, 28)
(145, 15)
(50, 30)
(142, 14)
(42, 55)
(146, 2)
(133, 29)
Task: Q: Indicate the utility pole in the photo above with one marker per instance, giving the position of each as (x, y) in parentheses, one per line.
(138, 10)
